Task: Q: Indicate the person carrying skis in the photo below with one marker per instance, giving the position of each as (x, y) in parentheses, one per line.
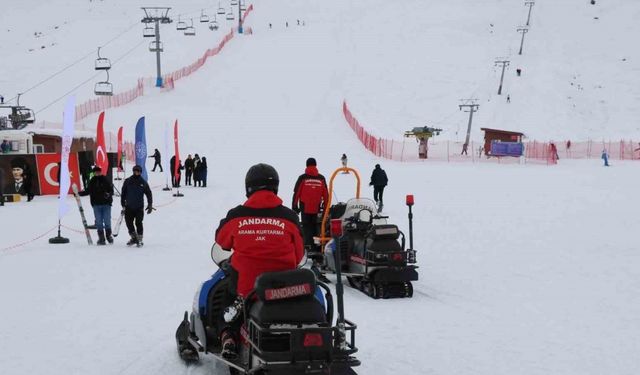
(134, 188)
(156, 157)
(265, 237)
(310, 194)
(188, 169)
(378, 180)
(100, 192)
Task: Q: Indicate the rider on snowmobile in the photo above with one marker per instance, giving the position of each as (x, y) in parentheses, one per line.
(265, 237)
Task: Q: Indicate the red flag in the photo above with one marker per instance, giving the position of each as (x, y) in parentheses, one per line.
(119, 149)
(101, 149)
(176, 168)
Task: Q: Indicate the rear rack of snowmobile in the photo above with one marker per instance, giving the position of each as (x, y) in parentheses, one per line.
(325, 217)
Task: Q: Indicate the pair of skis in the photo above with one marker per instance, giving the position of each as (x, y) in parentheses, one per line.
(116, 230)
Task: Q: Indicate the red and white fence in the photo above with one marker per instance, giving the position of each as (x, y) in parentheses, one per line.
(451, 151)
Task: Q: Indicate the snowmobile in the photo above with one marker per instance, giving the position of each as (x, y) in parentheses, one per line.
(287, 327)
(373, 252)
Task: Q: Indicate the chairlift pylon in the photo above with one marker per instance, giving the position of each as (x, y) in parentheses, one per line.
(203, 17)
(190, 30)
(102, 63)
(149, 32)
(104, 88)
(180, 25)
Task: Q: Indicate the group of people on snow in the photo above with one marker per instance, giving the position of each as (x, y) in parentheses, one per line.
(195, 168)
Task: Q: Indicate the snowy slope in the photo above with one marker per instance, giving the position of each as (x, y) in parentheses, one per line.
(524, 269)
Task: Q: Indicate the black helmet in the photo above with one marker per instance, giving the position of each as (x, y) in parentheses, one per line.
(261, 177)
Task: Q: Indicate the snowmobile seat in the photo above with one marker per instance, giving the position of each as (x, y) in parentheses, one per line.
(287, 298)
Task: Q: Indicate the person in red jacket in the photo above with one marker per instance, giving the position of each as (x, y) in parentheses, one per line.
(265, 237)
(309, 196)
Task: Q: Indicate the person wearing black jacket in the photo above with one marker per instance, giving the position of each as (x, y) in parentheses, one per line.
(134, 189)
(203, 172)
(188, 168)
(156, 157)
(100, 190)
(378, 180)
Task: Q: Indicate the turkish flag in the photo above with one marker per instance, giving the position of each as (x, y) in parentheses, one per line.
(48, 172)
(101, 150)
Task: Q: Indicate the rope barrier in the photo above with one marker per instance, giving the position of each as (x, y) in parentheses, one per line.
(29, 241)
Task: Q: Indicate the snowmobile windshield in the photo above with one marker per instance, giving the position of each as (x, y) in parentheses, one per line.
(219, 255)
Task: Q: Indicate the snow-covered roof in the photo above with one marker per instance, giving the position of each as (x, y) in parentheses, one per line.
(58, 132)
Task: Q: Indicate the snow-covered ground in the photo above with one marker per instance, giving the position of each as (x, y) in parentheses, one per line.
(525, 269)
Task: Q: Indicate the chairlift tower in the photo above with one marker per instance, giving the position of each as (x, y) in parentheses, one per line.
(472, 107)
(157, 15)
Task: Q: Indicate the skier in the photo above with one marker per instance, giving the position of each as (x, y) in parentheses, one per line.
(344, 160)
(518, 72)
(310, 194)
(508, 98)
(188, 169)
(134, 188)
(605, 157)
(156, 156)
(100, 191)
(378, 180)
(203, 171)
(278, 247)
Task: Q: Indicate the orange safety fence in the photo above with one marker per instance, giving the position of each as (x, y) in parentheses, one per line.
(535, 152)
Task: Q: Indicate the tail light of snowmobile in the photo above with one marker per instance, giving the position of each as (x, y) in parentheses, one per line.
(313, 339)
(336, 227)
(398, 257)
(409, 200)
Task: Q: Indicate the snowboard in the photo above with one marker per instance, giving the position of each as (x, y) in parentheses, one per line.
(116, 229)
(74, 187)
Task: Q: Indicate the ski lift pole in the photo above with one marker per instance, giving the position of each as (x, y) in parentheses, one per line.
(336, 232)
(159, 76)
(239, 17)
(409, 202)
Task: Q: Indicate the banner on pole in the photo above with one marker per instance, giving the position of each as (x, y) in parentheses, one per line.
(68, 120)
(141, 147)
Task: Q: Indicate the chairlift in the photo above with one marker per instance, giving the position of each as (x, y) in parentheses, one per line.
(190, 30)
(243, 6)
(234, 2)
(213, 25)
(149, 32)
(181, 25)
(230, 15)
(102, 63)
(18, 118)
(104, 88)
(203, 17)
(220, 9)
(155, 46)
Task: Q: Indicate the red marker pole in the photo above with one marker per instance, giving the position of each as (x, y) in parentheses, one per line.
(410, 202)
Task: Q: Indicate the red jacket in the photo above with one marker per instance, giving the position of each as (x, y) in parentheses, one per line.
(264, 235)
(310, 191)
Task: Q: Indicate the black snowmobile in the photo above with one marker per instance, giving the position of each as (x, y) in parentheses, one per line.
(373, 252)
(287, 325)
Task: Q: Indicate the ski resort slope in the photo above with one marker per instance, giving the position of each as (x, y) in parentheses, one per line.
(524, 269)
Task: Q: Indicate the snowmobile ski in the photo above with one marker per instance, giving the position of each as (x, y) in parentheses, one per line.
(74, 187)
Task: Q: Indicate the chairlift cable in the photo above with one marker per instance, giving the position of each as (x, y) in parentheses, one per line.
(90, 78)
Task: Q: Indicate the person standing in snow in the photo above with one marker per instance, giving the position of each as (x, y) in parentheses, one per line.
(196, 170)
(188, 169)
(378, 180)
(134, 189)
(156, 157)
(100, 191)
(310, 194)
(605, 157)
(203, 171)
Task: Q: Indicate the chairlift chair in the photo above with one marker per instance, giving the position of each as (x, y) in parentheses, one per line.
(220, 9)
(203, 17)
(149, 32)
(181, 25)
(102, 63)
(243, 6)
(230, 15)
(190, 30)
(104, 88)
(155, 46)
(234, 2)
